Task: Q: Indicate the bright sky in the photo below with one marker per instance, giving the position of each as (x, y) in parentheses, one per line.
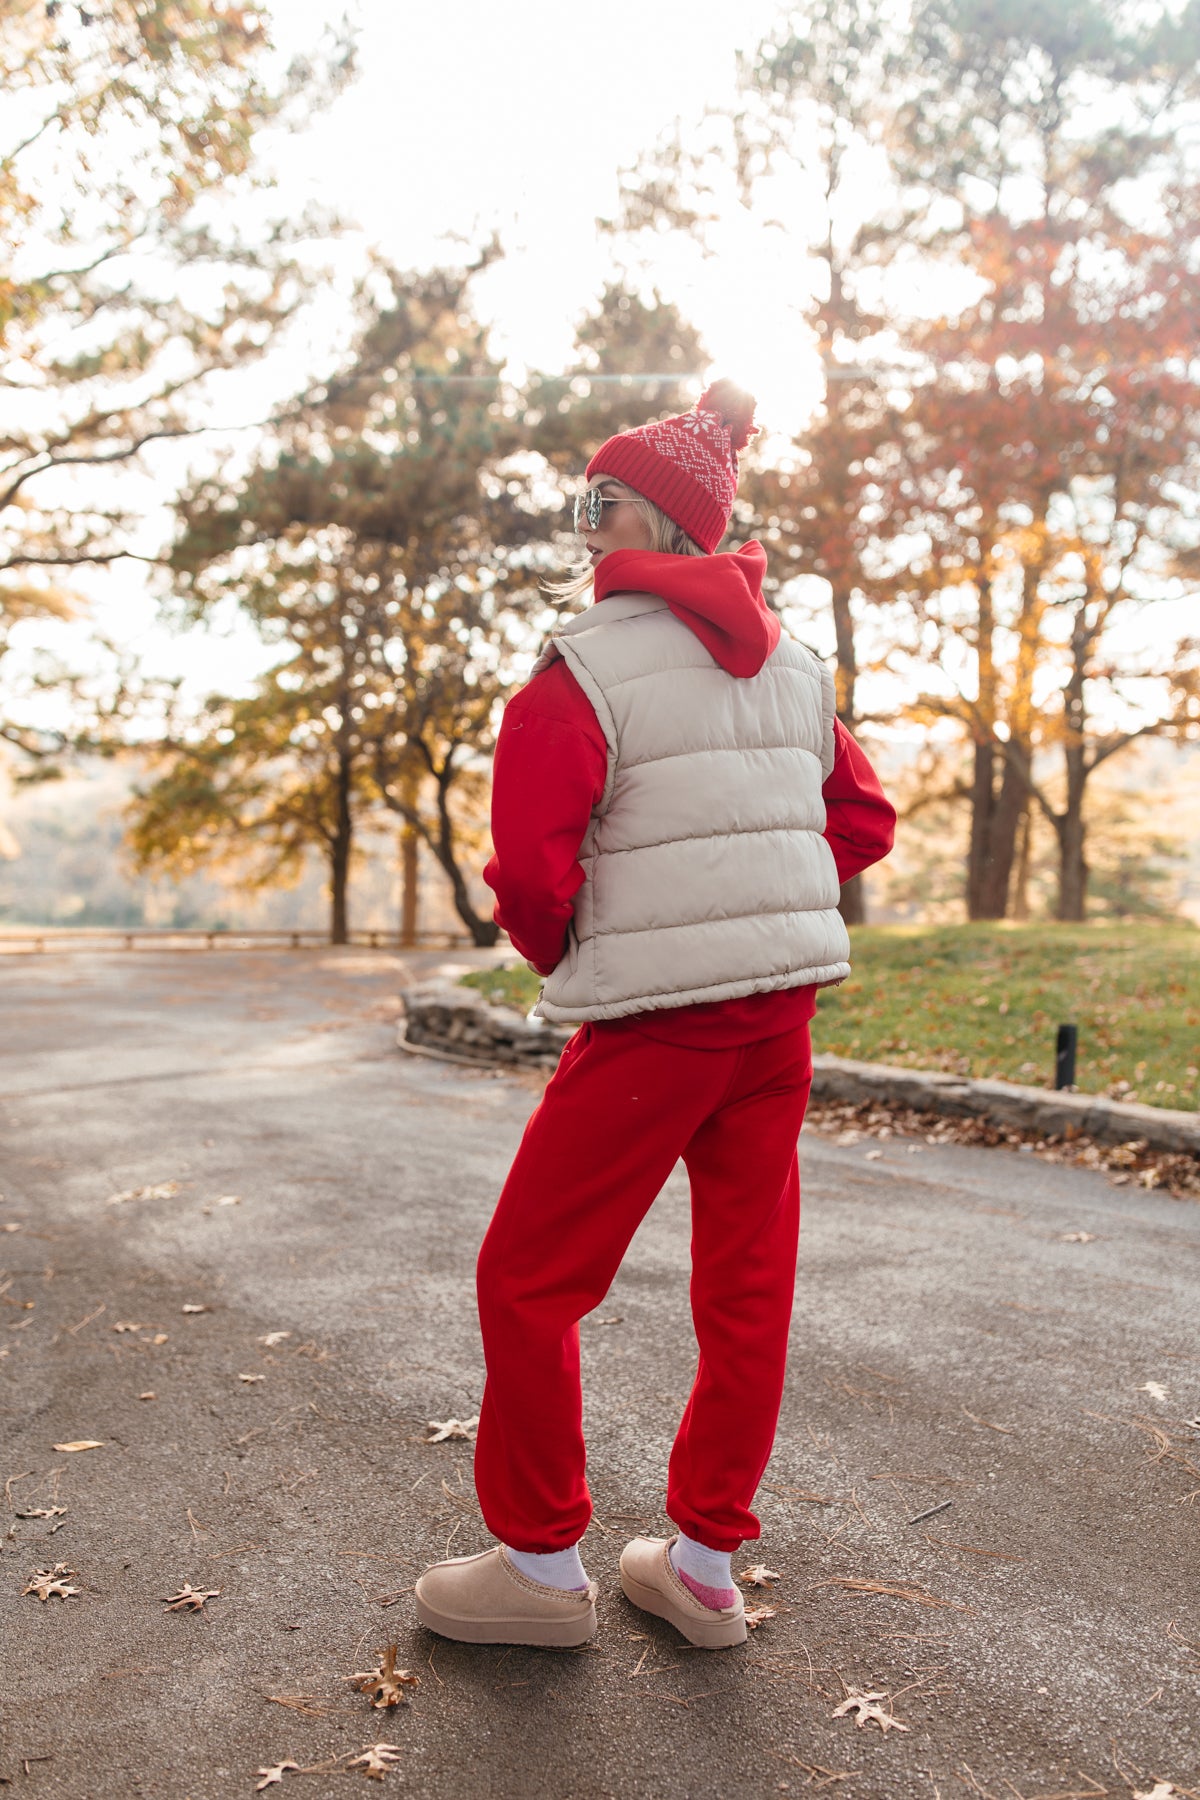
(467, 117)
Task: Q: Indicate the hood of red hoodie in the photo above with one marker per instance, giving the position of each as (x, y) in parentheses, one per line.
(718, 597)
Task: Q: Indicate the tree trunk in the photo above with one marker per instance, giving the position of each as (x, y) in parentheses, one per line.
(410, 874)
(339, 855)
(1020, 892)
(1073, 871)
(983, 808)
(1072, 838)
(483, 932)
(1010, 808)
(852, 904)
(980, 884)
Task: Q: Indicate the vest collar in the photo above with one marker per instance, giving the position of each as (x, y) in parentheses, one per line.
(605, 612)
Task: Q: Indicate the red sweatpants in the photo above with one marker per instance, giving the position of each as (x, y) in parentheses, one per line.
(619, 1112)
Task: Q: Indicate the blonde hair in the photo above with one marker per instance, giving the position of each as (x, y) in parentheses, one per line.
(668, 538)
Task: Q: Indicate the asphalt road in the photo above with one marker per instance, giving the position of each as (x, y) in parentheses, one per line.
(957, 1339)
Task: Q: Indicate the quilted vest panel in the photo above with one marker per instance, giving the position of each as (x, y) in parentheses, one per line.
(706, 874)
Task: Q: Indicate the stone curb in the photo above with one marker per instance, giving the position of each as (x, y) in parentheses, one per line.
(457, 1024)
(1052, 1113)
(441, 1019)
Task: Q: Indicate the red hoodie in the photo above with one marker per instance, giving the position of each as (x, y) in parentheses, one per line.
(552, 761)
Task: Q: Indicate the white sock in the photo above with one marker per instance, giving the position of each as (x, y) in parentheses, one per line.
(709, 1569)
(556, 1568)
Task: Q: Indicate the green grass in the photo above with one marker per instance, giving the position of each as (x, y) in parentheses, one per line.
(985, 1000)
(510, 984)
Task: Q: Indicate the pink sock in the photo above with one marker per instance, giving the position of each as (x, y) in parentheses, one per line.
(719, 1599)
(705, 1573)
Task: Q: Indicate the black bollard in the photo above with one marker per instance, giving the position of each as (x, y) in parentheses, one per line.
(1065, 1047)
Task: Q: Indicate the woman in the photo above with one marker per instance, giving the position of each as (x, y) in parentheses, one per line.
(674, 807)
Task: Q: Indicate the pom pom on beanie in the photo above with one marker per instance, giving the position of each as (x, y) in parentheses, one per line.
(734, 407)
(687, 465)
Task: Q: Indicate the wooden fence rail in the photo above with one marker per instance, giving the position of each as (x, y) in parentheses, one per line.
(35, 940)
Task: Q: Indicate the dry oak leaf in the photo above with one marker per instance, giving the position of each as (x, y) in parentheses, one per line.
(252, 1378)
(441, 1429)
(45, 1582)
(190, 1599)
(82, 1444)
(192, 1307)
(272, 1775)
(867, 1712)
(760, 1576)
(161, 1190)
(44, 1512)
(1162, 1790)
(376, 1760)
(1077, 1237)
(274, 1337)
(385, 1685)
(758, 1615)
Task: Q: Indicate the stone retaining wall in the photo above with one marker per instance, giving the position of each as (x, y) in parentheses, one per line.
(441, 1019)
(456, 1022)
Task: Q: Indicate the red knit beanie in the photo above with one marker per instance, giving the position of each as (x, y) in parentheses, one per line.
(687, 465)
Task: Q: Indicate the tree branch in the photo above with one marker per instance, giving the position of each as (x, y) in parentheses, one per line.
(9, 494)
(81, 557)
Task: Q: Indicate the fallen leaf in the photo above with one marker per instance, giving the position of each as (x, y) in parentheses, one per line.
(44, 1512)
(126, 1325)
(160, 1337)
(1077, 1237)
(191, 1307)
(252, 1378)
(229, 1200)
(274, 1337)
(148, 1395)
(1162, 1790)
(874, 1155)
(376, 1760)
(10, 1226)
(867, 1712)
(272, 1775)
(45, 1582)
(760, 1576)
(161, 1190)
(1155, 1389)
(190, 1599)
(81, 1444)
(385, 1685)
(441, 1429)
(758, 1615)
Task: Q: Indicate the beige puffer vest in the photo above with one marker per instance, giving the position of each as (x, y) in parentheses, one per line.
(707, 876)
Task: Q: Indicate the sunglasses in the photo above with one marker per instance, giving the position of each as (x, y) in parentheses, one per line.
(589, 507)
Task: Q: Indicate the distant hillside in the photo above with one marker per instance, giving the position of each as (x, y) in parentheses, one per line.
(62, 862)
(1143, 841)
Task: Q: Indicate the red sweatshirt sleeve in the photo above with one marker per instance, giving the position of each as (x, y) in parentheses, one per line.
(550, 769)
(860, 823)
